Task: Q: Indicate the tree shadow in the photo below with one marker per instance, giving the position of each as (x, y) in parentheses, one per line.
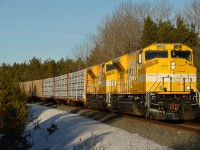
(92, 142)
(71, 128)
(103, 117)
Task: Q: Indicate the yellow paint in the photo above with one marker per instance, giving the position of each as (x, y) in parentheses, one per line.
(130, 77)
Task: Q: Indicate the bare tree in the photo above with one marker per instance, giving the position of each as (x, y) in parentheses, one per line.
(162, 10)
(192, 14)
(158, 10)
(143, 9)
(120, 33)
(82, 51)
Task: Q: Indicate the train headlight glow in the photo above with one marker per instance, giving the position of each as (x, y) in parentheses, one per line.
(188, 88)
(173, 65)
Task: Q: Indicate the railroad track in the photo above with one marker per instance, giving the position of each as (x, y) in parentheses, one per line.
(192, 125)
(186, 126)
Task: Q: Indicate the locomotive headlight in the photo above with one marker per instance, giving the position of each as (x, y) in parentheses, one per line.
(188, 88)
(173, 65)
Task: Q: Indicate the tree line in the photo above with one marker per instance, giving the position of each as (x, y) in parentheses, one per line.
(36, 69)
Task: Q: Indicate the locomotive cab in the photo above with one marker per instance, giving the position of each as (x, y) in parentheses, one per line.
(170, 81)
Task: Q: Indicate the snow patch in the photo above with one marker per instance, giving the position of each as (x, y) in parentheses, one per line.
(74, 132)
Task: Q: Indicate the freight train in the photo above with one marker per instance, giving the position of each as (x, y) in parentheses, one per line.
(159, 82)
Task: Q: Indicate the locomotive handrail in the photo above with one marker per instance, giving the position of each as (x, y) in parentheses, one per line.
(147, 95)
(197, 94)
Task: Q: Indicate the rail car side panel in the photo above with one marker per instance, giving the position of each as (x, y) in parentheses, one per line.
(32, 88)
(77, 86)
(27, 88)
(37, 88)
(48, 88)
(61, 87)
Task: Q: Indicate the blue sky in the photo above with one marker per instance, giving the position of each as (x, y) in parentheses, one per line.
(49, 28)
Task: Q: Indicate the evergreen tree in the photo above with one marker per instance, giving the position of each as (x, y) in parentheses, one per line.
(34, 69)
(49, 69)
(182, 33)
(165, 32)
(80, 64)
(193, 37)
(149, 32)
(70, 66)
(61, 66)
(13, 112)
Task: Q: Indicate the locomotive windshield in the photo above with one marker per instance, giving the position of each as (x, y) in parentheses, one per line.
(181, 54)
(155, 54)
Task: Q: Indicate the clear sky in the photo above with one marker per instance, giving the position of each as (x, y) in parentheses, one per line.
(49, 28)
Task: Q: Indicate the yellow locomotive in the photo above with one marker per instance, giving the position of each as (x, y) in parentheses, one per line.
(157, 82)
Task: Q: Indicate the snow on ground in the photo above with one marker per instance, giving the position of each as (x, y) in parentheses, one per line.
(75, 132)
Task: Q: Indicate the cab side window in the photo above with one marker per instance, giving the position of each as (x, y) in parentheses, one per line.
(155, 54)
(109, 67)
